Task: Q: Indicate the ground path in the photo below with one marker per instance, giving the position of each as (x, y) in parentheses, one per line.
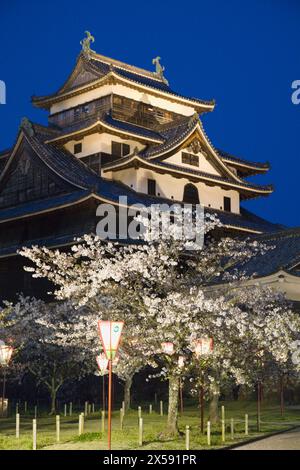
(285, 441)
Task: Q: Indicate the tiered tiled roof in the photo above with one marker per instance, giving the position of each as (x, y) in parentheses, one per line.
(133, 160)
(102, 66)
(88, 184)
(108, 121)
(283, 255)
(243, 166)
(172, 134)
(62, 162)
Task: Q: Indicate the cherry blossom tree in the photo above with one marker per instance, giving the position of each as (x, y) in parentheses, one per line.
(55, 342)
(166, 291)
(129, 364)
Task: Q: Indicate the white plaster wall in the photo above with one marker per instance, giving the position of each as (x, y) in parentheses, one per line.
(288, 284)
(95, 143)
(122, 90)
(173, 188)
(204, 163)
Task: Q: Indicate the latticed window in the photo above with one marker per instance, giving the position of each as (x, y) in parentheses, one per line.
(94, 162)
(190, 159)
(119, 149)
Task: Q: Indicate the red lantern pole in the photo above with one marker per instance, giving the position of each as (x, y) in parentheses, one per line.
(202, 408)
(103, 392)
(5, 356)
(110, 334)
(181, 397)
(109, 402)
(3, 392)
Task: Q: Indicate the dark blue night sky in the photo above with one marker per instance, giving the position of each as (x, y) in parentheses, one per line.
(245, 54)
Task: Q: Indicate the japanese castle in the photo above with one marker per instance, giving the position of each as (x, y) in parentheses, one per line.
(118, 130)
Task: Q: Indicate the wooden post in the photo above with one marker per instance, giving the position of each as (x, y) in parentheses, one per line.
(208, 433)
(57, 428)
(232, 428)
(79, 425)
(93, 407)
(35, 412)
(223, 430)
(85, 408)
(161, 408)
(140, 431)
(246, 425)
(82, 423)
(123, 406)
(65, 409)
(34, 434)
(223, 422)
(187, 438)
(17, 408)
(121, 418)
(139, 412)
(150, 409)
(103, 421)
(17, 425)
(70, 408)
(89, 408)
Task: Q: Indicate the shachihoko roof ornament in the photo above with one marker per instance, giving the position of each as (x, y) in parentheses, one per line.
(27, 126)
(86, 44)
(159, 69)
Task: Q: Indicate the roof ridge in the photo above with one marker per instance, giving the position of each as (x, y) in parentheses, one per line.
(120, 64)
(283, 233)
(65, 167)
(216, 177)
(5, 152)
(225, 155)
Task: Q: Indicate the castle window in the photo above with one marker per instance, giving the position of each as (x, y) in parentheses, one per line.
(190, 194)
(77, 112)
(77, 148)
(119, 150)
(151, 187)
(190, 159)
(93, 161)
(227, 204)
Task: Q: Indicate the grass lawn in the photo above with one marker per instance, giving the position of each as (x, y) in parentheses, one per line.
(92, 439)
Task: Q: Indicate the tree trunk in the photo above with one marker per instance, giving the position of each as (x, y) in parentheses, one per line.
(53, 393)
(127, 390)
(258, 405)
(281, 396)
(244, 393)
(53, 388)
(171, 429)
(214, 402)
